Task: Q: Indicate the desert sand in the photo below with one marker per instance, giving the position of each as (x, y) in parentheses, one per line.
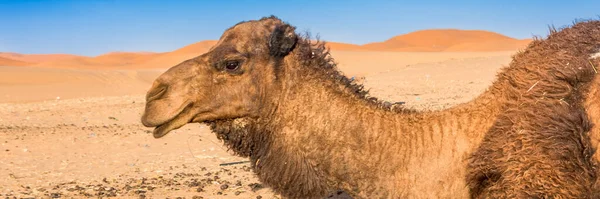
(75, 131)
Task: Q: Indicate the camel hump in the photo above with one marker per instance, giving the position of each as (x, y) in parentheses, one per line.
(557, 64)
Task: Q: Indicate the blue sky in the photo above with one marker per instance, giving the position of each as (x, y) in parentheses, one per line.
(90, 27)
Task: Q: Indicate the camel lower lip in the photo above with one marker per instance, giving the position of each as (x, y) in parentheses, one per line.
(177, 122)
(159, 131)
(163, 129)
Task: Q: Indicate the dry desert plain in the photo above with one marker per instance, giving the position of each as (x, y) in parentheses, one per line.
(70, 125)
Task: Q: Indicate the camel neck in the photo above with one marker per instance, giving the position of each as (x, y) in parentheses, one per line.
(341, 131)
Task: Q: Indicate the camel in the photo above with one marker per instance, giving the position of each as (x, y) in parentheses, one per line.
(277, 97)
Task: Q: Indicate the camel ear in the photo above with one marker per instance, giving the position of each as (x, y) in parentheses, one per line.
(282, 40)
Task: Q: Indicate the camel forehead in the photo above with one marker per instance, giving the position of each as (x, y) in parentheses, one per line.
(250, 31)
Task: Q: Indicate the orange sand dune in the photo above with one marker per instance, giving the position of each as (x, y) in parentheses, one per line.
(439, 40)
(137, 60)
(199, 47)
(169, 59)
(36, 58)
(12, 62)
(486, 46)
(446, 40)
(343, 46)
(125, 58)
(109, 60)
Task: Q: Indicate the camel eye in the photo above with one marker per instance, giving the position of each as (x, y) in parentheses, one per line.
(232, 65)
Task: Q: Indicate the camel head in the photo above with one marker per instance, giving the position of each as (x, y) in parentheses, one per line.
(229, 81)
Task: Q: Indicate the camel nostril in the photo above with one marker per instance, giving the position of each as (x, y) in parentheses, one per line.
(156, 93)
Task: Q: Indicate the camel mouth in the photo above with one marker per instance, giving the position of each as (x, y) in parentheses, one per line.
(164, 129)
(181, 117)
(154, 115)
(185, 118)
(177, 122)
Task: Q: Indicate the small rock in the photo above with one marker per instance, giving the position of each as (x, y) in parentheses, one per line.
(194, 184)
(255, 186)
(237, 193)
(140, 191)
(197, 197)
(111, 194)
(55, 195)
(225, 186)
(259, 197)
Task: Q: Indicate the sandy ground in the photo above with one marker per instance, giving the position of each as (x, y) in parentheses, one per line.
(76, 133)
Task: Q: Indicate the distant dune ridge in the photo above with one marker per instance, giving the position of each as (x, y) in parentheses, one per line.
(37, 58)
(12, 62)
(448, 40)
(109, 60)
(174, 57)
(438, 40)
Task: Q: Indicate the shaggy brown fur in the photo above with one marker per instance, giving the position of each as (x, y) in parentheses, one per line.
(540, 147)
(275, 97)
(538, 151)
(592, 107)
